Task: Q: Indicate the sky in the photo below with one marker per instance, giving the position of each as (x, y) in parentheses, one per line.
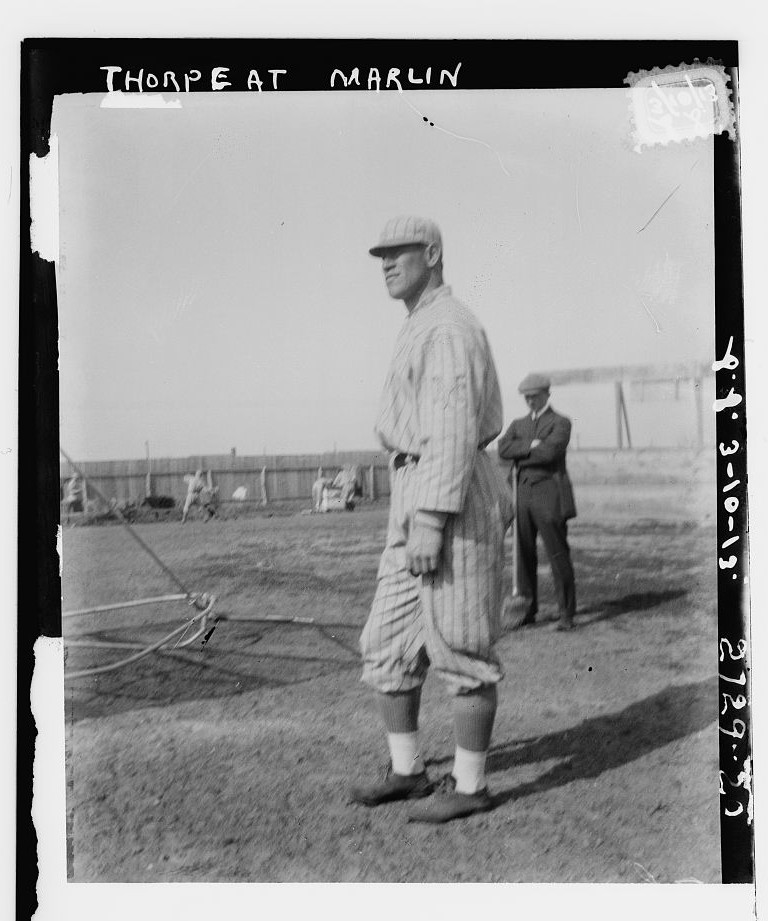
(215, 289)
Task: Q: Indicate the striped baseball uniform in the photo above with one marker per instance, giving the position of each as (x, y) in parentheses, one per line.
(441, 407)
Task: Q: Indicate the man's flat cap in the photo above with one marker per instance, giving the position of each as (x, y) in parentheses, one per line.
(402, 231)
(532, 383)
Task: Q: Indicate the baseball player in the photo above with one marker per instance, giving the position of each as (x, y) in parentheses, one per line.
(195, 486)
(438, 594)
(537, 444)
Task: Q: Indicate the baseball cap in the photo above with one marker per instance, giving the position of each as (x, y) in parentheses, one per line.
(401, 231)
(532, 383)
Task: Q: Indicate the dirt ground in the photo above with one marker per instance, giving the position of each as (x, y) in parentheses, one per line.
(232, 762)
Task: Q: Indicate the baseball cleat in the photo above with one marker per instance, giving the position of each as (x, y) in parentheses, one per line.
(394, 787)
(447, 804)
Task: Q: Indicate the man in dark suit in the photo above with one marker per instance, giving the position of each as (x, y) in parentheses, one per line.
(537, 444)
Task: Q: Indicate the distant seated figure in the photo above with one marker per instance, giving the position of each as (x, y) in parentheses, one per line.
(348, 482)
(195, 486)
(73, 499)
(320, 493)
(73, 494)
(340, 492)
(346, 486)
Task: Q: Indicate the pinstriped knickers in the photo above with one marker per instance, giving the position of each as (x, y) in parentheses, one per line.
(450, 619)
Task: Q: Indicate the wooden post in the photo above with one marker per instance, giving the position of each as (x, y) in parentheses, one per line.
(209, 477)
(619, 427)
(626, 418)
(148, 481)
(264, 498)
(697, 385)
(372, 482)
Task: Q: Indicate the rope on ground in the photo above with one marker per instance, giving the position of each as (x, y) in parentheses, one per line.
(202, 617)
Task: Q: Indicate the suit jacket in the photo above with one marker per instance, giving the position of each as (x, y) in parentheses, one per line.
(544, 462)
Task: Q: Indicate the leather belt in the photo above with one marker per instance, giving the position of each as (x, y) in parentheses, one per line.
(402, 460)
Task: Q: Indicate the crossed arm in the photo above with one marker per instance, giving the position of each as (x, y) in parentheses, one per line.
(527, 452)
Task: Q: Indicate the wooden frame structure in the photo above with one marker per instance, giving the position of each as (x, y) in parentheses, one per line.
(693, 371)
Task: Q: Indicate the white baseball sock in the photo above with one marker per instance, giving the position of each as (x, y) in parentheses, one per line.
(469, 770)
(404, 751)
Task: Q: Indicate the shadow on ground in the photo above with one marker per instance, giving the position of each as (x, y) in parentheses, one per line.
(236, 659)
(605, 742)
(632, 603)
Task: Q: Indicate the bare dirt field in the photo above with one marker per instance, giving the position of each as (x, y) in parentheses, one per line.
(231, 762)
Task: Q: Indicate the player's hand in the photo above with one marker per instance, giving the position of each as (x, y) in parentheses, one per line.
(535, 443)
(422, 552)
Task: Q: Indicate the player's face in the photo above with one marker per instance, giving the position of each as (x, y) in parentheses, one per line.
(406, 271)
(537, 400)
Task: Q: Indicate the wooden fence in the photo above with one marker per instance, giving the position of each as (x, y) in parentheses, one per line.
(288, 478)
(266, 479)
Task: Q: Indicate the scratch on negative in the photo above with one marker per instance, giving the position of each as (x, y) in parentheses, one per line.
(181, 638)
(693, 167)
(660, 207)
(647, 310)
(461, 137)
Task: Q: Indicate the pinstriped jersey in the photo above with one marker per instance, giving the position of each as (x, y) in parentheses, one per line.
(441, 399)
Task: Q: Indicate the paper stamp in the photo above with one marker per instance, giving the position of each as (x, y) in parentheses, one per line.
(679, 103)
